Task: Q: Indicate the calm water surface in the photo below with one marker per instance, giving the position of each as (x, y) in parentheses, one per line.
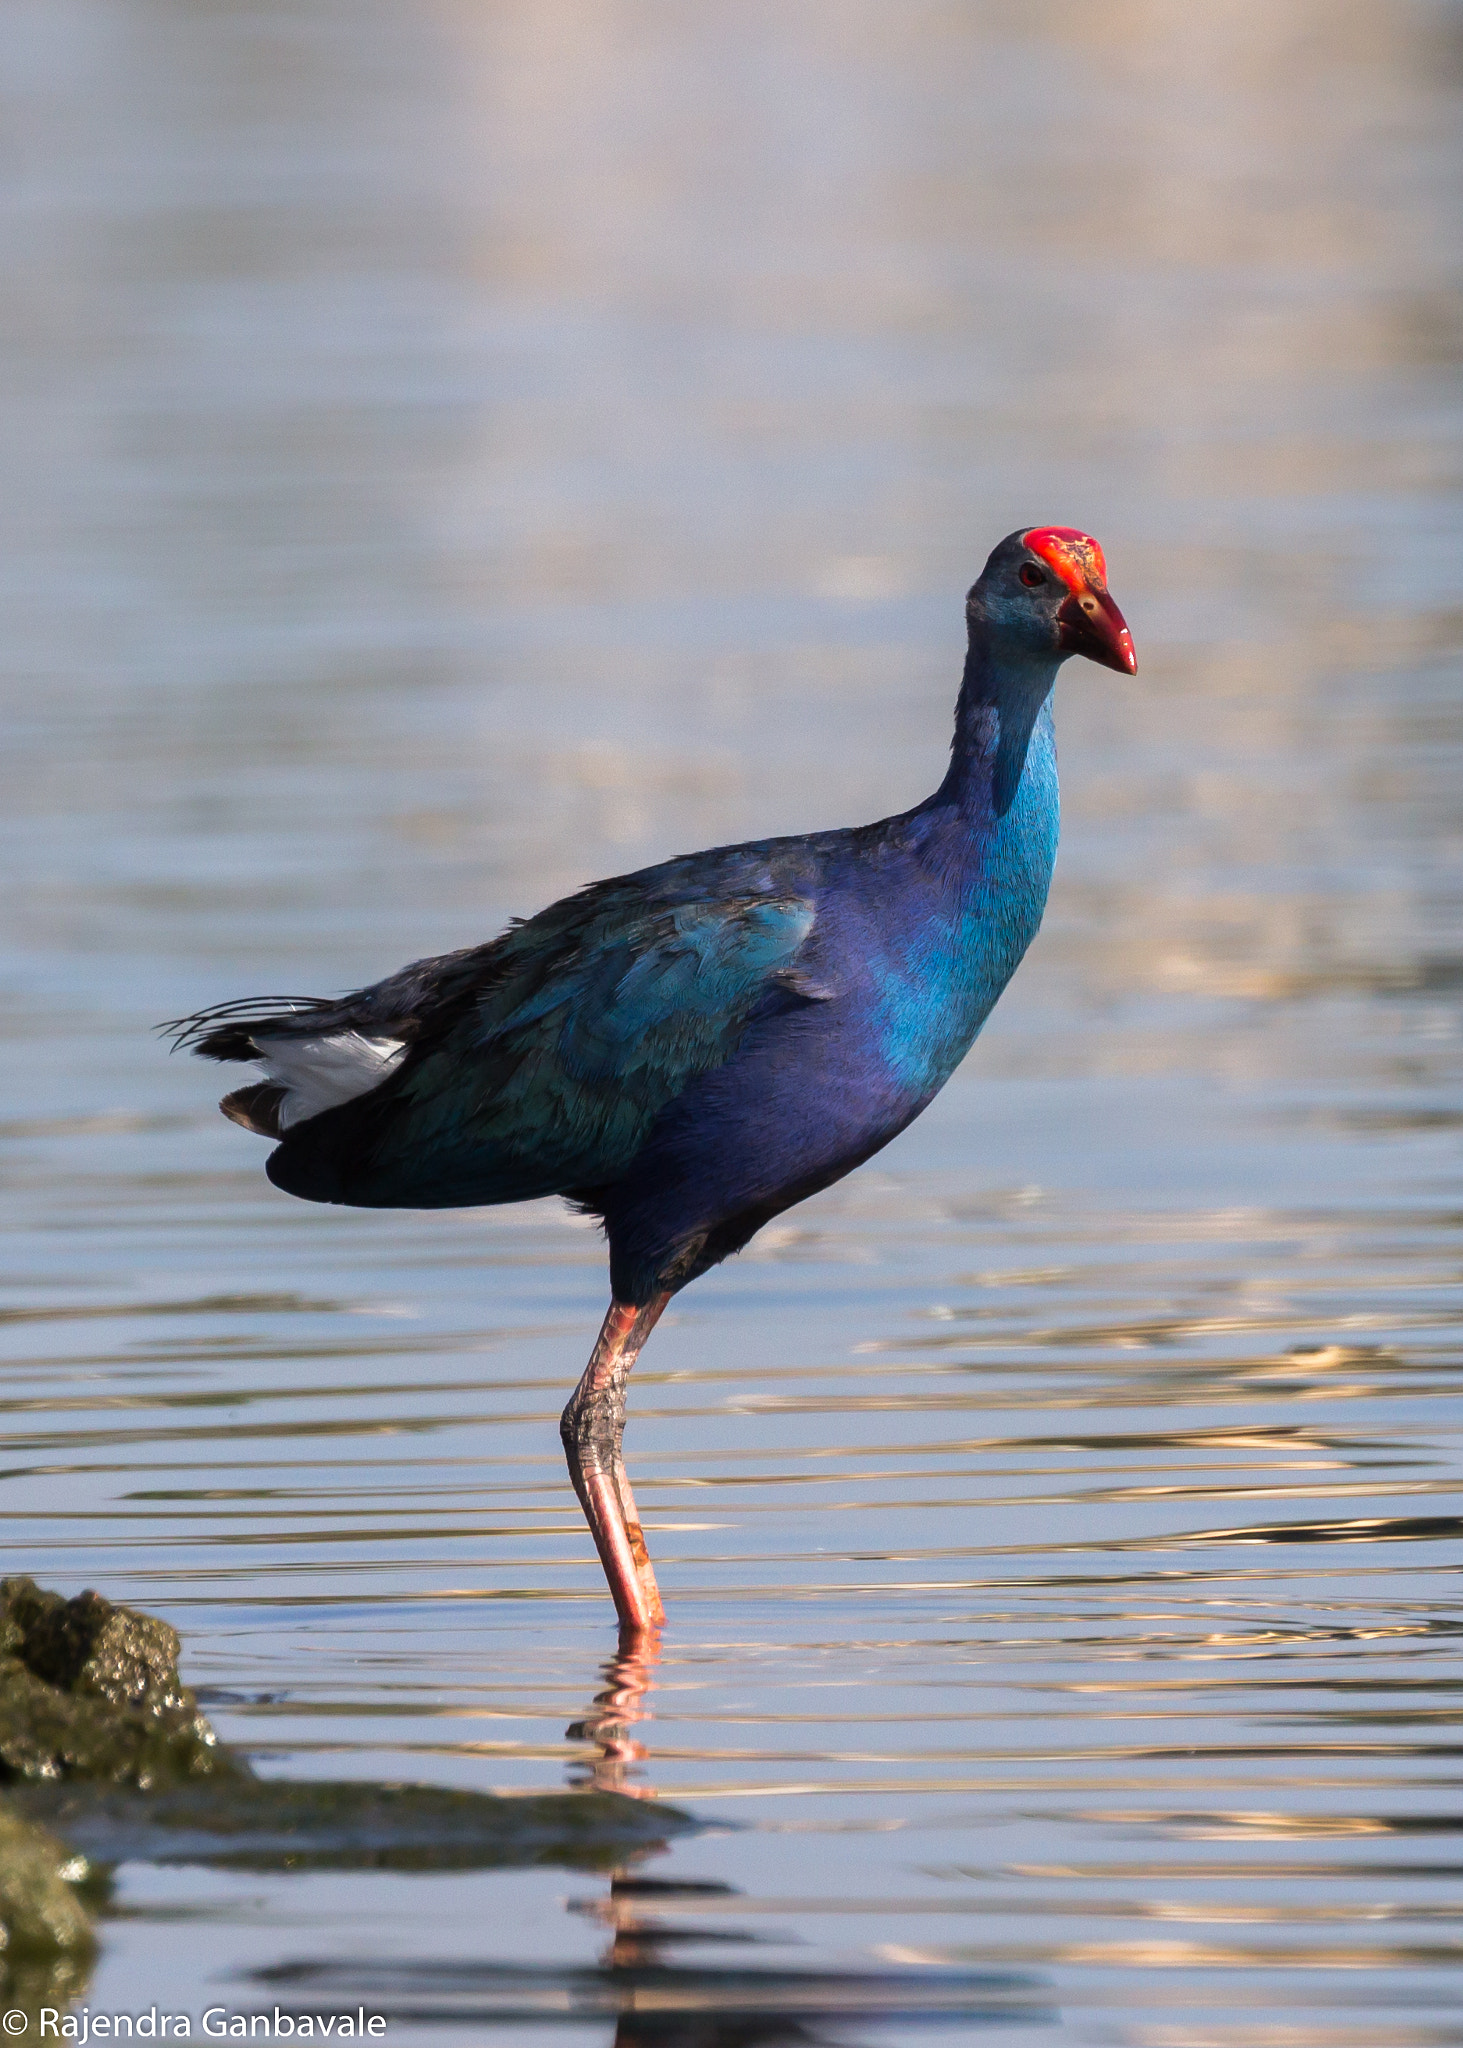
(453, 451)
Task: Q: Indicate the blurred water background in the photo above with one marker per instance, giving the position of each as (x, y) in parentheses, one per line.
(451, 451)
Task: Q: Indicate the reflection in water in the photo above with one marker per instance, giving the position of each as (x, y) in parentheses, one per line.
(615, 1711)
(663, 2002)
(661, 1976)
(655, 2001)
(31, 1984)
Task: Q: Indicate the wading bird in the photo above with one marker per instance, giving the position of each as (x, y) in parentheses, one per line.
(687, 1051)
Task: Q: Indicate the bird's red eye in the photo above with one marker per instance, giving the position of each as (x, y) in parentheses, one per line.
(1031, 575)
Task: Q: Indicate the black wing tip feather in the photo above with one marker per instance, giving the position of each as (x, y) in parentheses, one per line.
(395, 1006)
(225, 1031)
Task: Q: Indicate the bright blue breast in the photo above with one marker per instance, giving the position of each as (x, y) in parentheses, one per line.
(939, 980)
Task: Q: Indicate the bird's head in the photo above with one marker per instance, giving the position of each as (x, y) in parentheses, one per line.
(1044, 592)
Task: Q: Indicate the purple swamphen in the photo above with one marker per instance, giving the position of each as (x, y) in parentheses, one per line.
(687, 1051)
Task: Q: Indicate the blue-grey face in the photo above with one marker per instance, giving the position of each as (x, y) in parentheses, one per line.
(1043, 594)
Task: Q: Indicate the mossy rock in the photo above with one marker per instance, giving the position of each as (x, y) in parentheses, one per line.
(47, 1947)
(91, 1691)
(315, 1824)
(40, 1914)
(100, 1739)
(30, 1984)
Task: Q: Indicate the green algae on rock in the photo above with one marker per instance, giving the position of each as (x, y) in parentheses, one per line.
(309, 1824)
(32, 1983)
(100, 1739)
(46, 1943)
(40, 1913)
(91, 1691)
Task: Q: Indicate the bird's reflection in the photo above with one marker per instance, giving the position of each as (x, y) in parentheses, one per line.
(616, 1710)
(665, 2005)
(639, 1962)
(676, 1973)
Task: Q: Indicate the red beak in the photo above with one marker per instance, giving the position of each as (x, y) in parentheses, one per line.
(1089, 623)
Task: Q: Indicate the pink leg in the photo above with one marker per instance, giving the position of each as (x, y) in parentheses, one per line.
(592, 1427)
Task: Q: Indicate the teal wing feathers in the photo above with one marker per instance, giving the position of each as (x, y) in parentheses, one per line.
(547, 1073)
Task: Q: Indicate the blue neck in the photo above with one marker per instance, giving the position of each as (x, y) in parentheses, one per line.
(1000, 702)
(988, 836)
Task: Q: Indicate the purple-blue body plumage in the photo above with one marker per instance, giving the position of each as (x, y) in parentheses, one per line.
(689, 1050)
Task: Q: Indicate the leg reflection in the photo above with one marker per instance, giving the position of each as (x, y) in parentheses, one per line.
(615, 1712)
(672, 1975)
(668, 2001)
